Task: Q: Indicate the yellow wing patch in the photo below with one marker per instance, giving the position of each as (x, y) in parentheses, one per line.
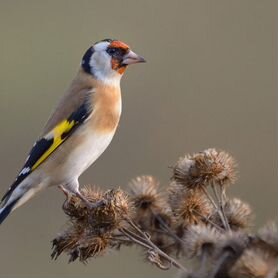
(46, 145)
(58, 132)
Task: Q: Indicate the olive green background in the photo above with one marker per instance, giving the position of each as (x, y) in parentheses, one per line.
(210, 81)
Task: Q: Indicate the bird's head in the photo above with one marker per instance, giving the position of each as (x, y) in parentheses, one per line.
(108, 59)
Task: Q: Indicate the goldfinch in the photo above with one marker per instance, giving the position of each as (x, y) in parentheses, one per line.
(80, 128)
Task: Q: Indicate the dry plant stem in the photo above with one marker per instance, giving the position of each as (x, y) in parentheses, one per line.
(215, 205)
(150, 245)
(217, 269)
(220, 206)
(169, 232)
(220, 201)
(121, 238)
(209, 197)
(222, 198)
(203, 260)
(166, 228)
(135, 238)
(145, 242)
(209, 221)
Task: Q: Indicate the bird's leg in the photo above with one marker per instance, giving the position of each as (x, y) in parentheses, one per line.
(73, 187)
(66, 192)
(89, 204)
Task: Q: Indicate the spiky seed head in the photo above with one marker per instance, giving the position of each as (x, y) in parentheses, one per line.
(203, 168)
(144, 191)
(182, 171)
(233, 243)
(200, 238)
(90, 246)
(190, 207)
(81, 245)
(174, 192)
(90, 230)
(75, 208)
(147, 200)
(238, 213)
(67, 240)
(254, 262)
(114, 207)
(151, 210)
(269, 236)
(259, 259)
(111, 214)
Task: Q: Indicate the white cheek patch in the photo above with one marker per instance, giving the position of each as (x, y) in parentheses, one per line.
(101, 59)
(100, 64)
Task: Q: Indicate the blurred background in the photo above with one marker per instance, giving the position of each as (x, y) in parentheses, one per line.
(210, 81)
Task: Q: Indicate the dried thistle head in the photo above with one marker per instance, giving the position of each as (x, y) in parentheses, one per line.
(174, 192)
(144, 192)
(199, 239)
(90, 246)
(254, 262)
(238, 213)
(269, 236)
(203, 168)
(147, 200)
(114, 207)
(151, 210)
(189, 206)
(75, 208)
(80, 243)
(233, 242)
(229, 250)
(260, 258)
(90, 230)
(110, 216)
(67, 240)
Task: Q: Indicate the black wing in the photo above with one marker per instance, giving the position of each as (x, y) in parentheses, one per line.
(49, 143)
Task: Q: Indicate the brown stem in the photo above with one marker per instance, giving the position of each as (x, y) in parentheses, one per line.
(215, 205)
(208, 220)
(134, 238)
(203, 262)
(147, 242)
(209, 197)
(166, 227)
(222, 196)
(219, 265)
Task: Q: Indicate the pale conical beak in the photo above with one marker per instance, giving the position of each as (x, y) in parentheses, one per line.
(132, 58)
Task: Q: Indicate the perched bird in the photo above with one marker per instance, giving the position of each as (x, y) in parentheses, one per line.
(80, 128)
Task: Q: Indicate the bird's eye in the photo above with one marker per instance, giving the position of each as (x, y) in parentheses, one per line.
(114, 51)
(111, 51)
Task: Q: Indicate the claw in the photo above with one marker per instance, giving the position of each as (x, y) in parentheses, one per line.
(89, 204)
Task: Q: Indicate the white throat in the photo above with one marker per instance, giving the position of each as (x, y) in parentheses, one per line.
(100, 64)
(111, 80)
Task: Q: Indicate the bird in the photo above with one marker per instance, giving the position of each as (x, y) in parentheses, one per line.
(79, 129)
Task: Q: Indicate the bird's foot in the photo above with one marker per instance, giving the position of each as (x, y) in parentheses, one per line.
(89, 204)
(95, 205)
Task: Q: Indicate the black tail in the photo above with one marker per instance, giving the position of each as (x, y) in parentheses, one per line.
(6, 210)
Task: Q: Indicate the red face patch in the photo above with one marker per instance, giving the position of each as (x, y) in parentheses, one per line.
(119, 44)
(121, 70)
(116, 66)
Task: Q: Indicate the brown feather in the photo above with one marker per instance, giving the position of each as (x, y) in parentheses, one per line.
(72, 99)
